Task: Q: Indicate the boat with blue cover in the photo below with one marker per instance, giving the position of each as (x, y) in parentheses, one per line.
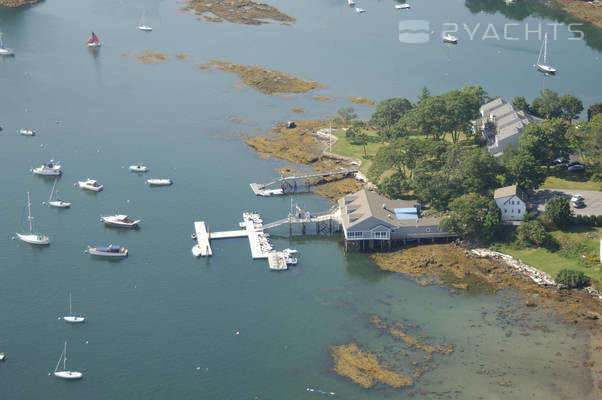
(111, 250)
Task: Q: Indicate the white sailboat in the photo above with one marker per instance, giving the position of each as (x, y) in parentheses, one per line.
(64, 373)
(544, 66)
(5, 51)
(54, 201)
(73, 318)
(142, 26)
(32, 237)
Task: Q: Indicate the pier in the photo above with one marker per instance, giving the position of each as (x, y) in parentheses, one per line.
(260, 189)
(202, 248)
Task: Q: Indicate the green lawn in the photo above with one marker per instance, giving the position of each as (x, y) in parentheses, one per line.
(560, 178)
(579, 250)
(344, 148)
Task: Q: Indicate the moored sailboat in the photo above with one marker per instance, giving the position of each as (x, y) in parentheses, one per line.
(64, 373)
(142, 26)
(543, 66)
(73, 318)
(32, 237)
(54, 201)
(5, 51)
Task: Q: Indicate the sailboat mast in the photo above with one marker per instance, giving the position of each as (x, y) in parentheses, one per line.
(70, 304)
(29, 217)
(545, 48)
(52, 191)
(59, 362)
(65, 358)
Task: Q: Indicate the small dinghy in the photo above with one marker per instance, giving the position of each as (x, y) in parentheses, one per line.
(111, 250)
(120, 221)
(360, 10)
(27, 132)
(48, 169)
(2, 356)
(64, 373)
(73, 318)
(90, 184)
(159, 182)
(449, 38)
(138, 168)
(404, 6)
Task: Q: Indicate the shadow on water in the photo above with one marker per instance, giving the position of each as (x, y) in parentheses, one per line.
(539, 8)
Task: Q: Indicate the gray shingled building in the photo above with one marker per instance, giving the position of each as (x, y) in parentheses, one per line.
(501, 125)
(370, 219)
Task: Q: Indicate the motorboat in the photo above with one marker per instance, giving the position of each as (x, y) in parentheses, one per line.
(404, 6)
(449, 38)
(138, 168)
(93, 41)
(159, 182)
(351, 2)
(360, 10)
(111, 250)
(90, 184)
(120, 221)
(64, 373)
(32, 237)
(27, 132)
(73, 318)
(2, 356)
(48, 169)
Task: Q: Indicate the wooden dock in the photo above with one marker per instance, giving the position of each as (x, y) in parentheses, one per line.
(260, 188)
(277, 261)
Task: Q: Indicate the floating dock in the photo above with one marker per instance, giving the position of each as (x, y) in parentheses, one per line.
(260, 189)
(253, 231)
(202, 248)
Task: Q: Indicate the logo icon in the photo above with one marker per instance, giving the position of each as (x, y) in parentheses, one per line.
(418, 31)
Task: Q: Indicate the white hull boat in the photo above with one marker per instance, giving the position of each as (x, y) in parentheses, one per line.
(27, 132)
(55, 202)
(448, 38)
(404, 6)
(142, 26)
(109, 251)
(120, 221)
(64, 373)
(73, 318)
(2, 356)
(159, 182)
(360, 10)
(48, 169)
(543, 66)
(351, 2)
(32, 237)
(5, 51)
(138, 168)
(90, 184)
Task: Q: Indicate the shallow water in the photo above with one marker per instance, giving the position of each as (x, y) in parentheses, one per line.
(162, 324)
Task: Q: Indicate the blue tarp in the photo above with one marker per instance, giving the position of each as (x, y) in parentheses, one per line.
(406, 213)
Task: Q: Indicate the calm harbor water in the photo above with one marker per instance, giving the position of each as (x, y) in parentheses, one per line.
(162, 324)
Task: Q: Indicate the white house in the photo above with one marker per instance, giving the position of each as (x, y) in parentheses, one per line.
(512, 202)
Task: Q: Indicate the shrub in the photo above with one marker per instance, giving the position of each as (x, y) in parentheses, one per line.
(532, 232)
(558, 211)
(599, 220)
(572, 278)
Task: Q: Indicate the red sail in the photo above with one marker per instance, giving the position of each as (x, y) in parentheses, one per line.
(93, 39)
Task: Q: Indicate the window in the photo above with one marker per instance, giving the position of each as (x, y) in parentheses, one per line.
(355, 235)
(381, 235)
(505, 211)
(428, 229)
(519, 210)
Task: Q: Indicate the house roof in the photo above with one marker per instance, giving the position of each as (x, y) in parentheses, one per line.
(508, 120)
(364, 204)
(506, 191)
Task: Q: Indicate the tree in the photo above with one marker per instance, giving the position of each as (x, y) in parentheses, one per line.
(480, 171)
(428, 117)
(473, 216)
(524, 170)
(532, 232)
(347, 114)
(547, 105)
(424, 94)
(545, 141)
(389, 111)
(558, 211)
(520, 103)
(594, 110)
(461, 106)
(571, 107)
(362, 140)
(351, 133)
(478, 93)
(572, 278)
